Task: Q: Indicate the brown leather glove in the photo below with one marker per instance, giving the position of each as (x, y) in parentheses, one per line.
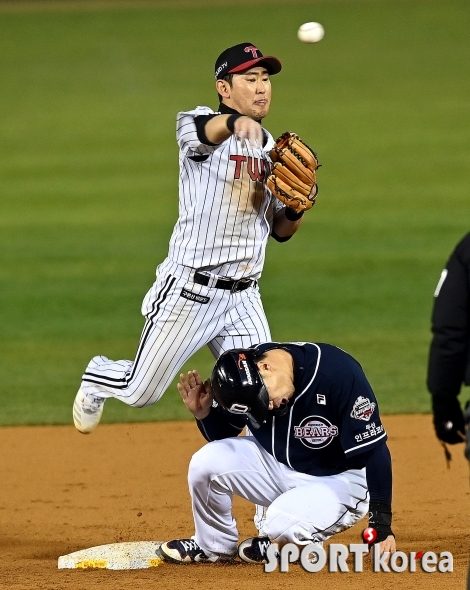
(293, 177)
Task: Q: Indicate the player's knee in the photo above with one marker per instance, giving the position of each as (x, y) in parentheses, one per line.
(143, 402)
(292, 518)
(144, 394)
(204, 463)
(282, 528)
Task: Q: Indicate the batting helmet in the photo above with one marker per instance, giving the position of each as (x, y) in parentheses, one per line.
(238, 386)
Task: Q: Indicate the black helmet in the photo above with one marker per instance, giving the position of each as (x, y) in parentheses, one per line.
(238, 386)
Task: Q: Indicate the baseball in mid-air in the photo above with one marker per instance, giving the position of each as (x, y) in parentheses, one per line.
(311, 32)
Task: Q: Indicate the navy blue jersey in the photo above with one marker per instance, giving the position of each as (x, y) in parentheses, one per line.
(333, 417)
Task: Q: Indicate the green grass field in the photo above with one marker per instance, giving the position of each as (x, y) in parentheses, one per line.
(88, 180)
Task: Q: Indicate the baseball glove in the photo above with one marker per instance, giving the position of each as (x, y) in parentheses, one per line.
(293, 177)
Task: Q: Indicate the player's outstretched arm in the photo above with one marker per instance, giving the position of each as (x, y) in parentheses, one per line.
(196, 394)
(221, 127)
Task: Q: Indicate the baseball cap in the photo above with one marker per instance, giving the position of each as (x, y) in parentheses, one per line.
(241, 57)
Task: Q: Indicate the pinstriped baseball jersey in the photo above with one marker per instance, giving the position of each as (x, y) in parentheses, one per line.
(206, 291)
(226, 215)
(225, 210)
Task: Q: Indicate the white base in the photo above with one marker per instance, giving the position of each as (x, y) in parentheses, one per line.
(116, 556)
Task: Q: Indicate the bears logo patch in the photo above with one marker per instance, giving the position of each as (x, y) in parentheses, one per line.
(315, 432)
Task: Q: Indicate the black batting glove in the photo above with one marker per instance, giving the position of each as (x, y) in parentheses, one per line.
(380, 519)
(448, 419)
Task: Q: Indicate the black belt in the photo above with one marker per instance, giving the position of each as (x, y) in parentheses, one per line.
(223, 283)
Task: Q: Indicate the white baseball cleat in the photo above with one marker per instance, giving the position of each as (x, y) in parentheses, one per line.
(87, 411)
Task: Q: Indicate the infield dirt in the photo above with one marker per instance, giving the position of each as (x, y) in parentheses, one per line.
(61, 492)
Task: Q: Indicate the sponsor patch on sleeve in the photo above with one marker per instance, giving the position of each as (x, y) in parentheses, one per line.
(363, 409)
(370, 432)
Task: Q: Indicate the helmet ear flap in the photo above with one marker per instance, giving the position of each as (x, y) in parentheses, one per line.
(259, 410)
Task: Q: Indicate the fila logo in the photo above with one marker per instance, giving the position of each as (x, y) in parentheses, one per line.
(321, 399)
(253, 50)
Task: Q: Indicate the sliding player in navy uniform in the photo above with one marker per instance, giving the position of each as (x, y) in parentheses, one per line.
(317, 458)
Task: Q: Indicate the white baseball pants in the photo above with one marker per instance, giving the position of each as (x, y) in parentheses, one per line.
(175, 329)
(301, 508)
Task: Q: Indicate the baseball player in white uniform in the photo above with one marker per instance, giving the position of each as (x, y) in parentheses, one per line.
(206, 290)
(316, 459)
